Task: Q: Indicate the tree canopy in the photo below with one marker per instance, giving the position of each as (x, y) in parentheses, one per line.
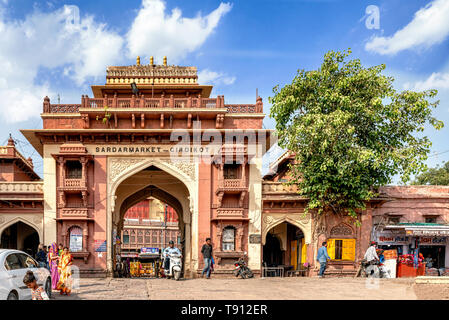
(434, 176)
(351, 131)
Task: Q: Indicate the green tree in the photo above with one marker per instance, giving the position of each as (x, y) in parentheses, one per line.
(351, 132)
(434, 176)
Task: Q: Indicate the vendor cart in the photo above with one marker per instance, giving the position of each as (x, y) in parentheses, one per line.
(150, 262)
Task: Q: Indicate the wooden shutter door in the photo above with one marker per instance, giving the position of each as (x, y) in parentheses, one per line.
(348, 252)
(331, 248)
(303, 251)
(294, 254)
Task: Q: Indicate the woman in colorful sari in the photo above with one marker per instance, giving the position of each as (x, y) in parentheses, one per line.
(65, 272)
(53, 262)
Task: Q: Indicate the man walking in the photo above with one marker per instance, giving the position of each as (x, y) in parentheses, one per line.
(322, 258)
(206, 250)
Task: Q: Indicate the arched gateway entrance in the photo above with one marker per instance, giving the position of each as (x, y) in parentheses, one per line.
(21, 236)
(132, 180)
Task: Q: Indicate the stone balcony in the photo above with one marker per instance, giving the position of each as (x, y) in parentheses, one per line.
(231, 185)
(76, 213)
(94, 105)
(278, 191)
(74, 183)
(229, 214)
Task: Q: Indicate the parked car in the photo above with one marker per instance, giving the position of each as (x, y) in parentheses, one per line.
(14, 264)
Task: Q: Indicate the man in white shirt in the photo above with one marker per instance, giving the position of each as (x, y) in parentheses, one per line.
(171, 249)
(371, 257)
(371, 253)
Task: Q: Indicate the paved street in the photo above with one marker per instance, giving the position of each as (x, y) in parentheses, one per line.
(264, 289)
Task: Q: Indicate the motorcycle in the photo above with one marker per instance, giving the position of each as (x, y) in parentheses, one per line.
(175, 268)
(242, 270)
(372, 269)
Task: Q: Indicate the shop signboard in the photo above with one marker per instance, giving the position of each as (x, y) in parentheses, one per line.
(255, 238)
(435, 241)
(425, 232)
(129, 255)
(147, 250)
(386, 238)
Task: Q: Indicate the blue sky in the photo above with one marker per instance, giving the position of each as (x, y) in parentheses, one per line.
(59, 47)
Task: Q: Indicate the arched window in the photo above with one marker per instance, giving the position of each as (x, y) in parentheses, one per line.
(126, 237)
(76, 239)
(228, 239)
(139, 237)
(133, 237)
(341, 245)
(147, 237)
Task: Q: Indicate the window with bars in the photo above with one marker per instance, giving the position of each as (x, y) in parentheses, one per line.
(147, 237)
(431, 220)
(228, 239)
(125, 239)
(139, 237)
(230, 171)
(74, 169)
(76, 239)
(133, 237)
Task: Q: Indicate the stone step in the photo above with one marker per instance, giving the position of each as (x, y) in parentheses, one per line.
(432, 280)
(340, 273)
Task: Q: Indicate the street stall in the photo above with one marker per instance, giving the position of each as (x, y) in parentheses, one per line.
(429, 239)
(408, 268)
(150, 260)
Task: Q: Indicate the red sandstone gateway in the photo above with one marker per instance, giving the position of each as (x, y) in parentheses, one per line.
(120, 147)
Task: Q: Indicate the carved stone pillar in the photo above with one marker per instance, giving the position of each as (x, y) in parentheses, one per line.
(239, 238)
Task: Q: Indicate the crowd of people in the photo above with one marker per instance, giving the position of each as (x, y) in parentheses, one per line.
(58, 260)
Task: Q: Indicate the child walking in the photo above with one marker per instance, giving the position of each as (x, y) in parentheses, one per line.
(37, 293)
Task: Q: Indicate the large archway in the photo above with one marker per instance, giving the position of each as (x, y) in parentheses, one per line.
(285, 245)
(21, 236)
(165, 182)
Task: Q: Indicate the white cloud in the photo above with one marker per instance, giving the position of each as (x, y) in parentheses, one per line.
(207, 76)
(430, 26)
(437, 80)
(79, 47)
(55, 39)
(155, 33)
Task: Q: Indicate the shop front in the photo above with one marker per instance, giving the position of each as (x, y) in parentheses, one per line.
(421, 248)
(146, 263)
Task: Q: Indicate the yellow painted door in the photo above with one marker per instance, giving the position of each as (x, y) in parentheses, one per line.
(348, 252)
(331, 248)
(303, 251)
(294, 254)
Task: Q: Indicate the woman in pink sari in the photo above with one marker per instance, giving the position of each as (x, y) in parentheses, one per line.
(53, 261)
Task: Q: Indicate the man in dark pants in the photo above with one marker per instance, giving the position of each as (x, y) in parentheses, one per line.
(322, 258)
(206, 250)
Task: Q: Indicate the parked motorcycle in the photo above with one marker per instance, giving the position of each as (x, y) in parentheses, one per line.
(242, 270)
(175, 268)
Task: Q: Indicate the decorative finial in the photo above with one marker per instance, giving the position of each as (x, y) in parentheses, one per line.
(165, 60)
(138, 61)
(11, 141)
(151, 61)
